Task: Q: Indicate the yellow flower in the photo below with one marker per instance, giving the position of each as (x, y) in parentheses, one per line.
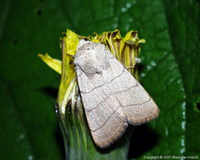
(126, 50)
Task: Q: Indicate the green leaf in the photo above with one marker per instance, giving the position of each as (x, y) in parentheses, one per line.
(169, 71)
(184, 29)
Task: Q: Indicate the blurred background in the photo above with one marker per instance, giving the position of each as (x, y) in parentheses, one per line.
(169, 71)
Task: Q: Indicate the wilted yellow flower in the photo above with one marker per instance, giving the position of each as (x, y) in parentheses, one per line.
(126, 50)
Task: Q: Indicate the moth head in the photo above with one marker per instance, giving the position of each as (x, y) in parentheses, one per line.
(91, 57)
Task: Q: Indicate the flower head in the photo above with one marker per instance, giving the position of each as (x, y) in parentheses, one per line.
(125, 49)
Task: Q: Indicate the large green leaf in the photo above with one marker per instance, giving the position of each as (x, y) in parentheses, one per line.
(169, 71)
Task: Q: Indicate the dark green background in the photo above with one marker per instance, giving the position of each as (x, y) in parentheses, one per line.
(170, 71)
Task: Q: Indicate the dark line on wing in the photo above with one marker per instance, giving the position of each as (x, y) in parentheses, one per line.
(99, 103)
(106, 120)
(133, 86)
(109, 96)
(137, 103)
(116, 110)
(104, 83)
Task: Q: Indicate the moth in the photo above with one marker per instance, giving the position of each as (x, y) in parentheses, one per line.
(111, 96)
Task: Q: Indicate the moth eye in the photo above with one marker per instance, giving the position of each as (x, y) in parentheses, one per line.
(90, 48)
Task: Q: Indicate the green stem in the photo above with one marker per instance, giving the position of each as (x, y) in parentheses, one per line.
(78, 141)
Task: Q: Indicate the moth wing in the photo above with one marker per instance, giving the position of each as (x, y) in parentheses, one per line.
(138, 106)
(104, 115)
